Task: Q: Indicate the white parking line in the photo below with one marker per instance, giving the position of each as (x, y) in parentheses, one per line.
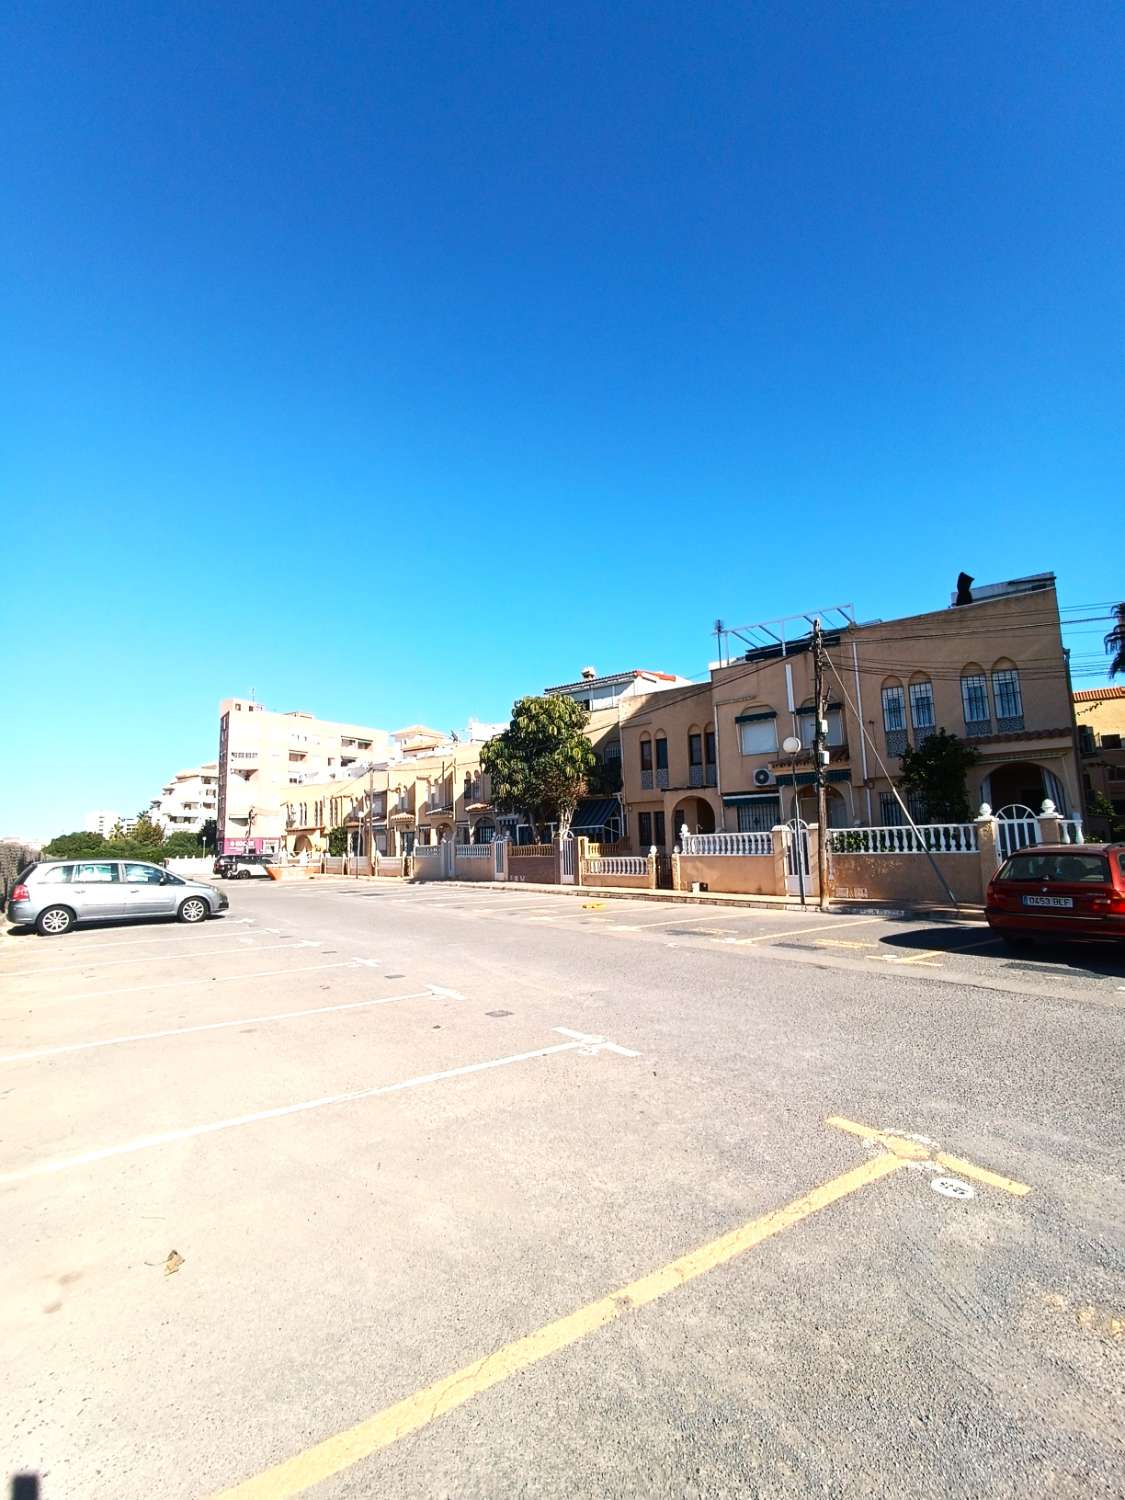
(681, 916)
(826, 926)
(148, 958)
(75, 941)
(281, 1015)
(173, 984)
(583, 1043)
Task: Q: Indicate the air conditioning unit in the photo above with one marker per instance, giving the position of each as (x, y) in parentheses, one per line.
(763, 776)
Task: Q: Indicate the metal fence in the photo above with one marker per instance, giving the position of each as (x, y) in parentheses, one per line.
(474, 851)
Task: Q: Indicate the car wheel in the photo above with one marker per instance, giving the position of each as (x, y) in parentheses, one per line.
(194, 909)
(242, 875)
(54, 921)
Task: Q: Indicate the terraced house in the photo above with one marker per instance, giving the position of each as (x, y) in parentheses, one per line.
(991, 670)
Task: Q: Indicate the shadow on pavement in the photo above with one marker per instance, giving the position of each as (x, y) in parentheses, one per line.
(1090, 956)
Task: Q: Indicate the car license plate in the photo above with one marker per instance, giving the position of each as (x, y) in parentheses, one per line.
(1063, 903)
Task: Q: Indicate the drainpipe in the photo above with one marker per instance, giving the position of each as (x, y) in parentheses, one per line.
(862, 736)
(718, 758)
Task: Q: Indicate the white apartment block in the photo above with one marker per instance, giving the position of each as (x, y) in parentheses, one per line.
(188, 799)
(103, 820)
(263, 754)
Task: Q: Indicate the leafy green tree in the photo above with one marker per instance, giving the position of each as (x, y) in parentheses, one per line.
(75, 846)
(182, 845)
(540, 764)
(338, 841)
(936, 772)
(1115, 642)
(209, 836)
(145, 833)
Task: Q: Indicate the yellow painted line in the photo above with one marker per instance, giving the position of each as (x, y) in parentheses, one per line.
(843, 943)
(902, 1148)
(386, 1427)
(771, 937)
(981, 1174)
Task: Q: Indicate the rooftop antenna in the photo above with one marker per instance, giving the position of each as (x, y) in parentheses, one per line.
(719, 629)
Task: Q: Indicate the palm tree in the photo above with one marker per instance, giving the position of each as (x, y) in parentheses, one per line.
(1115, 643)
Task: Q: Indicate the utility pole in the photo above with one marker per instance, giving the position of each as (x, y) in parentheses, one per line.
(819, 756)
(371, 817)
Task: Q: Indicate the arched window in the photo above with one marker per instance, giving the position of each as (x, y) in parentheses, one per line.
(695, 756)
(646, 764)
(974, 699)
(1006, 695)
(921, 706)
(894, 716)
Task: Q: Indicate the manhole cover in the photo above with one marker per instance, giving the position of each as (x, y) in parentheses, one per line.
(951, 1187)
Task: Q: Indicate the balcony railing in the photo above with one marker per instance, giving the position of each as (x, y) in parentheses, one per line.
(646, 781)
(702, 775)
(662, 778)
(978, 729)
(896, 742)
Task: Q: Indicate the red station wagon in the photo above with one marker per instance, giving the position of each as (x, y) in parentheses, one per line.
(1059, 891)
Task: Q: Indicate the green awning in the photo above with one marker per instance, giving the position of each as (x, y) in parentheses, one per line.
(755, 718)
(808, 778)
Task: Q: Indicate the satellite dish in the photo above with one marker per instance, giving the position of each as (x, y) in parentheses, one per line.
(791, 744)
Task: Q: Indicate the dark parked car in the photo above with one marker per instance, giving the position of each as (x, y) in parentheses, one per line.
(1060, 891)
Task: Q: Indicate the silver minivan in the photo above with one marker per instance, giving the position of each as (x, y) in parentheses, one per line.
(53, 895)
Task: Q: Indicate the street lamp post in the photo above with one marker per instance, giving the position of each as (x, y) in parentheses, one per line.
(792, 746)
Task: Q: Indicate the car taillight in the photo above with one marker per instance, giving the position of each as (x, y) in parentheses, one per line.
(20, 893)
(1114, 903)
(995, 897)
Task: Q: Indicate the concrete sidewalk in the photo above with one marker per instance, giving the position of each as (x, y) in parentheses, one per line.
(934, 911)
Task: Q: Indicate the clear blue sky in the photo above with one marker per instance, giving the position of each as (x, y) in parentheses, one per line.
(398, 360)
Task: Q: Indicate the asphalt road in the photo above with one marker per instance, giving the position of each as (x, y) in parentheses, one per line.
(379, 1190)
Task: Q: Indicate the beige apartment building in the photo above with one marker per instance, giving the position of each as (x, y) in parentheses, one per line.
(992, 671)
(1100, 715)
(187, 800)
(432, 788)
(264, 755)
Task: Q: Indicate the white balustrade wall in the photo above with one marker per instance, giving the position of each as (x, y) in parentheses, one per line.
(933, 838)
(726, 843)
(617, 864)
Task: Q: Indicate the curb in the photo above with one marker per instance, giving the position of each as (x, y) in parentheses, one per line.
(713, 898)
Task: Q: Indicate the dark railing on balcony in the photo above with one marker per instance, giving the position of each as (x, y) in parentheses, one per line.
(976, 729)
(646, 781)
(662, 778)
(695, 776)
(896, 742)
(1010, 725)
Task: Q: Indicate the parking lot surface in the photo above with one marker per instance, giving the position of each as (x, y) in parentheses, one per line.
(371, 1189)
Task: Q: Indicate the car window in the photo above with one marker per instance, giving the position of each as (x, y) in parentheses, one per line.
(54, 875)
(142, 875)
(95, 874)
(1027, 867)
(1088, 869)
